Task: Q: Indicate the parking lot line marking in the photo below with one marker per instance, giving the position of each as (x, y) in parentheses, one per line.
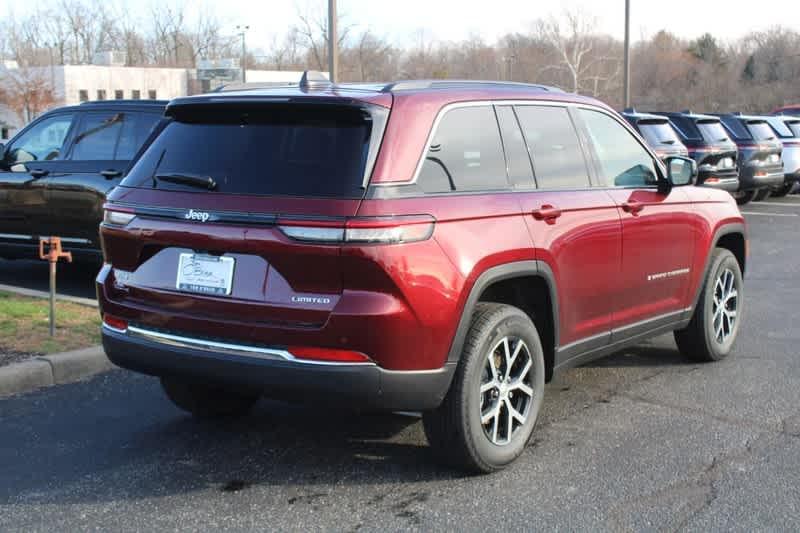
(783, 204)
(770, 214)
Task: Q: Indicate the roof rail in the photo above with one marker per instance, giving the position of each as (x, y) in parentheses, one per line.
(251, 85)
(129, 101)
(410, 85)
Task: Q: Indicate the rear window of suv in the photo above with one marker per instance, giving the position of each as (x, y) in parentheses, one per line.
(712, 131)
(657, 132)
(309, 151)
(761, 131)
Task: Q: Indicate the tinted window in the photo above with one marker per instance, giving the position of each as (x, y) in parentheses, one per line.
(466, 153)
(658, 133)
(795, 127)
(713, 132)
(780, 127)
(686, 128)
(98, 136)
(135, 129)
(760, 131)
(42, 142)
(558, 161)
(624, 162)
(289, 150)
(518, 162)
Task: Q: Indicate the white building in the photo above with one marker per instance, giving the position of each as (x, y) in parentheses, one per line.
(73, 84)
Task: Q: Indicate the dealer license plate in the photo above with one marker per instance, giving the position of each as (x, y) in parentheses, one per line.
(205, 274)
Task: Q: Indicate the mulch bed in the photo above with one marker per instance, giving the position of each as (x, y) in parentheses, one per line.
(8, 357)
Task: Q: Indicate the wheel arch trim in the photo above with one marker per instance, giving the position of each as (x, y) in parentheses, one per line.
(517, 269)
(731, 228)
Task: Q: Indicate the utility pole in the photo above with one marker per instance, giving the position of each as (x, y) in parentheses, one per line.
(627, 82)
(242, 30)
(333, 43)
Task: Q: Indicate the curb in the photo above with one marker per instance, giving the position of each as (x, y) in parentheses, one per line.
(42, 294)
(55, 369)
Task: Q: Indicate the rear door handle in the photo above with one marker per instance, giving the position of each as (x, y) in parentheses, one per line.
(547, 212)
(38, 173)
(632, 207)
(110, 173)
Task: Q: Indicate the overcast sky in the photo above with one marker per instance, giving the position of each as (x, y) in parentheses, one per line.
(400, 20)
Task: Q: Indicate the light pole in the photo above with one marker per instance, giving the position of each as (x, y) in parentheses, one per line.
(333, 43)
(242, 30)
(627, 60)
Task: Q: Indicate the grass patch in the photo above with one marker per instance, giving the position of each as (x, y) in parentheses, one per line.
(24, 325)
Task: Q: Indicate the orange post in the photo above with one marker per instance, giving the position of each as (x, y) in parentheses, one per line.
(54, 253)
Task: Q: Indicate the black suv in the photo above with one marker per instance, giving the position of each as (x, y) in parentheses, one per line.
(658, 133)
(56, 172)
(760, 163)
(709, 145)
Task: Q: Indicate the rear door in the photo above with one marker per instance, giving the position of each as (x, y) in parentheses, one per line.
(31, 160)
(575, 228)
(658, 229)
(100, 153)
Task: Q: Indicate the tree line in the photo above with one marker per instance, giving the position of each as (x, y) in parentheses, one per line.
(753, 73)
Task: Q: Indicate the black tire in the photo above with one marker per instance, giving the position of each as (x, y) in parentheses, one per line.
(206, 401)
(783, 190)
(744, 197)
(762, 194)
(454, 429)
(698, 340)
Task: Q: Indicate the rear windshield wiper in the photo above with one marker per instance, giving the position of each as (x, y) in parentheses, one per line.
(192, 180)
(670, 141)
(722, 139)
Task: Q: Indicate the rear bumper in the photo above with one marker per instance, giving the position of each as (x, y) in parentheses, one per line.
(748, 181)
(365, 386)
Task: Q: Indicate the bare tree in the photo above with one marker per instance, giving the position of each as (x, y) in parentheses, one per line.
(26, 91)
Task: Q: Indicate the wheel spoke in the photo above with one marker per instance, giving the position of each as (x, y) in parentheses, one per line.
(486, 387)
(491, 413)
(507, 355)
(496, 423)
(492, 368)
(521, 386)
(519, 347)
(509, 421)
(513, 413)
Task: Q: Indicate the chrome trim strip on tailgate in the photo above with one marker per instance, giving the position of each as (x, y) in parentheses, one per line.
(180, 341)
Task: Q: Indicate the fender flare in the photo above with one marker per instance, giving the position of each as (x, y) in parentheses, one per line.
(726, 229)
(503, 272)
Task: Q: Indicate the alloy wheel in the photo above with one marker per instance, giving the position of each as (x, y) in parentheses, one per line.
(725, 306)
(506, 389)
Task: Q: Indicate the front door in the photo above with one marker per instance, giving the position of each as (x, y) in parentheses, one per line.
(31, 159)
(575, 229)
(657, 228)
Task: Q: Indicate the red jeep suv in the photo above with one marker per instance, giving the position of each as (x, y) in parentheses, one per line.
(435, 246)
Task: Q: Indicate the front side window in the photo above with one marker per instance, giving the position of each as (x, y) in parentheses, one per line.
(466, 153)
(44, 141)
(558, 161)
(623, 161)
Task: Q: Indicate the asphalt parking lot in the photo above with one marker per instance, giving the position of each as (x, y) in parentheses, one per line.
(643, 440)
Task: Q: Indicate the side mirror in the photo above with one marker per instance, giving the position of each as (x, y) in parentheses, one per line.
(681, 170)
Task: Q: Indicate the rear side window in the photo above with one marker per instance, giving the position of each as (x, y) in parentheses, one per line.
(686, 128)
(558, 161)
(737, 128)
(781, 127)
(624, 162)
(760, 131)
(658, 133)
(466, 153)
(794, 126)
(295, 150)
(111, 136)
(518, 162)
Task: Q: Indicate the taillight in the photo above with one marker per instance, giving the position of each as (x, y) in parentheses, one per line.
(360, 230)
(117, 216)
(115, 323)
(311, 353)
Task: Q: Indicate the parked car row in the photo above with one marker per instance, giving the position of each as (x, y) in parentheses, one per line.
(747, 155)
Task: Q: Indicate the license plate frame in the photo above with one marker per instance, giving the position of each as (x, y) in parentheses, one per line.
(210, 275)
